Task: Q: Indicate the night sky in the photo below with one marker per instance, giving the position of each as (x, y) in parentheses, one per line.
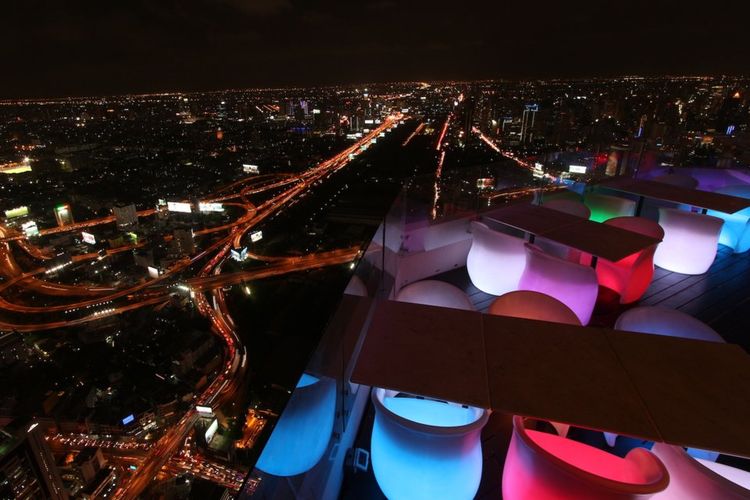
(86, 47)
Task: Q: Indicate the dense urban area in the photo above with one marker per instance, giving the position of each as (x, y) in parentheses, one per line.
(169, 262)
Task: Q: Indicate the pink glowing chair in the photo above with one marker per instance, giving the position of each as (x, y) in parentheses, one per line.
(690, 241)
(604, 207)
(571, 207)
(696, 479)
(533, 305)
(681, 180)
(631, 276)
(543, 466)
(495, 261)
(572, 284)
(435, 293)
(356, 287)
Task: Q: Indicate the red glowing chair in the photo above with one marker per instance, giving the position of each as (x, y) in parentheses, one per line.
(631, 276)
(543, 466)
(533, 305)
(695, 479)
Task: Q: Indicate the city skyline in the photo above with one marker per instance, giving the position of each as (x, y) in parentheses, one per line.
(193, 46)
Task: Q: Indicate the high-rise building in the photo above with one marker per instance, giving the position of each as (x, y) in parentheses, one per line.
(527, 122)
(63, 215)
(126, 216)
(27, 467)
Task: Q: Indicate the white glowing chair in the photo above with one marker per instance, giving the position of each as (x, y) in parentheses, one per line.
(696, 479)
(426, 449)
(544, 466)
(690, 241)
(681, 180)
(495, 261)
(604, 207)
(631, 276)
(736, 230)
(435, 293)
(571, 207)
(662, 321)
(572, 284)
(533, 305)
(304, 429)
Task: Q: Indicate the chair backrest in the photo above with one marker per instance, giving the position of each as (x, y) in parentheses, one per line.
(541, 465)
(664, 321)
(573, 284)
(681, 180)
(690, 479)
(604, 207)
(571, 207)
(435, 293)
(533, 305)
(495, 261)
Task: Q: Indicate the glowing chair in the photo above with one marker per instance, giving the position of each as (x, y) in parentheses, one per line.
(533, 305)
(681, 180)
(435, 293)
(572, 284)
(543, 466)
(690, 241)
(571, 207)
(696, 479)
(736, 230)
(662, 321)
(495, 261)
(302, 433)
(604, 207)
(426, 449)
(631, 276)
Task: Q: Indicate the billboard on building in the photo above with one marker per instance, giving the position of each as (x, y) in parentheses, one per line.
(577, 169)
(30, 229)
(210, 207)
(250, 169)
(256, 236)
(16, 212)
(88, 238)
(211, 431)
(239, 255)
(178, 206)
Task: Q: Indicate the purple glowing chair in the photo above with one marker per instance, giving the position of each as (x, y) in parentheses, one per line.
(425, 449)
(572, 284)
(663, 321)
(435, 293)
(690, 241)
(495, 261)
(736, 230)
(571, 207)
(356, 287)
(681, 180)
(544, 466)
(630, 277)
(604, 207)
(696, 479)
(533, 305)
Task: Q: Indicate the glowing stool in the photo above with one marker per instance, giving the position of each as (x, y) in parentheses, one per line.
(604, 207)
(533, 305)
(690, 241)
(435, 293)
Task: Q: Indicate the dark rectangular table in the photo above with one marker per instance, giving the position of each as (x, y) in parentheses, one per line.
(599, 240)
(677, 194)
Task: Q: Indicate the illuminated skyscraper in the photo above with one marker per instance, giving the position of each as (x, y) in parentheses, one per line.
(527, 122)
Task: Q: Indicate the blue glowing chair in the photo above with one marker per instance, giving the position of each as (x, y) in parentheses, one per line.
(736, 230)
(426, 449)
